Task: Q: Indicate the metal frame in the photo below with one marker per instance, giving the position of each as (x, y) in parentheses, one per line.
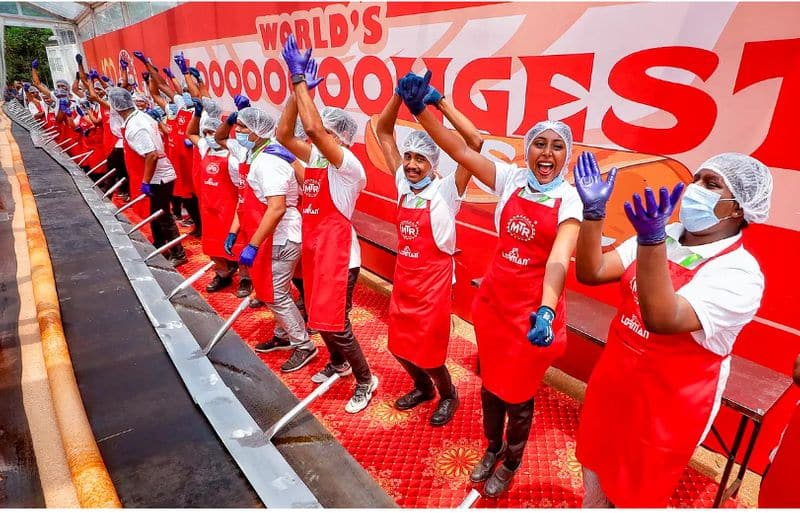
(726, 490)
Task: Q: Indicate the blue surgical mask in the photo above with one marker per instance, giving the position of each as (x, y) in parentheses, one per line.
(547, 187)
(244, 140)
(187, 100)
(212, 143)
(422, 183)
(173, 109)
(697, 208)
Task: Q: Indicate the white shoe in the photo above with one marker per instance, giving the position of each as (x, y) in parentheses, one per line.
(361, 396)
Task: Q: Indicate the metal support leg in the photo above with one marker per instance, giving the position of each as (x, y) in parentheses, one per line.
(225, 327)
(470, 499)
(63, 142)
(146, 220)
(99, 180)
(131, 203)
(80, 155)
(723, 484)
(70, 146)
(88, 154)
(746, 459)
(299, 407)
(97, 166)
(114, 188)
(190, 280)
(168, 245)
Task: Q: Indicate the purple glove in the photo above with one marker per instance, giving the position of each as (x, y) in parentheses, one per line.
(105, 79)
(180, 60)
(26, 86)
(139, 55)
(196, 74)
(413, 89)
(79, 110)
(93, 74)
(280, 152)
(168, 72)
(35, 64)
(198, 107)
(123, 63)
(241, 101)
(63, 106)
(295, 61)
(541, 332)
(79, 59)
(232, 118)
(248, 255)
(594, 192)
(311, 75)
(146, 76)
(649, 222)
(188, 143)
(145, 189)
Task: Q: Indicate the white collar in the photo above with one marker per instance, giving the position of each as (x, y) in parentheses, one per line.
(428, 193)
(712, 249)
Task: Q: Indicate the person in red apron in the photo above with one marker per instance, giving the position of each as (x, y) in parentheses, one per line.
(657, 387)
(779, 484)
(149, 168)
(518, 313)
(332, 183)
(183, 158)
(421, 302)
(36, 106)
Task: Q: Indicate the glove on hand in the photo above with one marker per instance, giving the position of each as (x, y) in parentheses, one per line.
(541, 332)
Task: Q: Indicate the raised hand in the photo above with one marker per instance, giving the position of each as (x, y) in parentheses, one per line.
(168, 72)
(594, 192)
(413, 89)
(180, 60)
(541, 332)
(241, 101)
(196, 74)
(35, 64)
(93, 74)
(139, 55)
(105, 79)
(123, 63)
(79, 59)
(295, 61)
(311, 74)
(146, 76)
(650, 221)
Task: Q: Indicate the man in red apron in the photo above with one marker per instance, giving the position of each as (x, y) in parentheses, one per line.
(149, 168)
(421, 302)
(779, 484)
(518, 313)
(331, 255)
(657, 387)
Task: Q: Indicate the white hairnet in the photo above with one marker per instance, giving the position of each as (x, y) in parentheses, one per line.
(261, 123)
(340, 123)
(556, 126)
(210, 123)
(420, 142)
(139, 97)
(211, 107)
(299, 131)
(120, 99)
(749, 180)
(62, 82)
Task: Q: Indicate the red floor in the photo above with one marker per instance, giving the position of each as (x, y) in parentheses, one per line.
(418, 465)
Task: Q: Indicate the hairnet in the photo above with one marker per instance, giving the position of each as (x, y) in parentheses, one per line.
(420, 142)
(749, 180)
(120, 99)
(340, 123)
(62, 82)
(139, 97)
(261, 123)
(211, 107)
(556, 126)
(299, 131)
(209, 123)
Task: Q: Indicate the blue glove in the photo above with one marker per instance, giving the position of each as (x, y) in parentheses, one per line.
(400, 81)
(93, 74)
(248, 255)
(650, 222)
(139, 55)
(180, 60)
(541, 332)
(198, 108)
(123, 63)
(230, 240)
(280, 152)
(63, 105)
(153, 114)
(78, 129)
(295, 61)
(105, 79)
(196, 74)
(168, 72)
(433, 96)
(79, 110)
(26, 86)
(79, 59)
(241, 101)
(145, 189)
(188, 143)
(311, 75)
(413, 90)
(231, 119)
(594, 192)
(35, 64)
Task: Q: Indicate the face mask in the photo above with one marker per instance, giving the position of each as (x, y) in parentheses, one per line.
(187, 99)
(422, 183)
(173, 109)
(547, 187)
(244, 140)
(212, 143)
(697, 208)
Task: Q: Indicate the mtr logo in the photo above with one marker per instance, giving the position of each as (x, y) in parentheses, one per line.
(521, 228)
(311, 188)
(409, 230)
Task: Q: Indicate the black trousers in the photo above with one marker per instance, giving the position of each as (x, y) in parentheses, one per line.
(163, 227)
(193, 208)
(301, 299)
(520, 420)
(342, 345)
(425, 379)
(116, 160)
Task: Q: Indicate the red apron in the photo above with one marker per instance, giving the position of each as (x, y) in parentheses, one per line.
(180, 155)
(218, 202)
(419, 310)
(647, 403)
(94, 143)
(134, 164)
(327, 237)
(512, 367)
(251, 210)
(779, 486)
(109, 139)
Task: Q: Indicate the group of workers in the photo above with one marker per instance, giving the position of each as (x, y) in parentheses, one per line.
(271, 194)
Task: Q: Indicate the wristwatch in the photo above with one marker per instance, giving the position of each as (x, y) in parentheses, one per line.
(298, 77)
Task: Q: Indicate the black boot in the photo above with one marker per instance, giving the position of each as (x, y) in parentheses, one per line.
(219, 283)
(413, 399)
(499, 482)
(484, 468)
(445, 410)
(245, 287)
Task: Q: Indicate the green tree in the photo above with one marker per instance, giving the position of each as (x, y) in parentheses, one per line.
(23, 44)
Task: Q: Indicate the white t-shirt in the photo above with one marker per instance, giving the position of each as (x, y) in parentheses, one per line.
(115, 123)
(346, 183)
(510, 178)
(445, 204)
(272, 176)
(34, 110)
(725, 293)
(142, 135)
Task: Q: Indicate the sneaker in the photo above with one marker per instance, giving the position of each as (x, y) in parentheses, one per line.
(276, 344)
(219, 283)
(329, 370)
(245, 288)
(300, 357)
(361, 396)
(187, 222)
